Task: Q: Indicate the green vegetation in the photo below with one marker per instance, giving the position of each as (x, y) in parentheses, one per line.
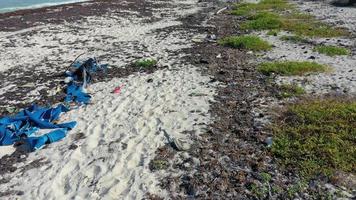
(290, 68)
(272, 32)
(158, 164)
(332, 50)
(245, 42)
(263, 21)
(312, 28)
(146, 63)
(268, 15)
(294, 39)
(317, 137)
(246, 9)
(259, 191)
(296, 188)
(266, 177)
(290, 90)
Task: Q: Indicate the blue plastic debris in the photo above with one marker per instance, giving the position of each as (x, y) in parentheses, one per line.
(24, 125)
(79, 78)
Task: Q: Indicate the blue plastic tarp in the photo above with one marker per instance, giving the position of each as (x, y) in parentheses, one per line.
(24, 125)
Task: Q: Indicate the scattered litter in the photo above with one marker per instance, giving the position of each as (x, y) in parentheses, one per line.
(117, 90)
(219, 56)
(78, 77)
(211, 37)
(221, 10)
(11, 109)
(180, 144)
(22, 127)
(28, 85)
(268, 141)
(177, 143)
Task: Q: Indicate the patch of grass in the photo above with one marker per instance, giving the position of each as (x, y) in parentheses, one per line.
(263, 21)
(296, 188)
(294, 38)
(259, 191)
(332, 50)
(317, 137)
(247, 9)
(266, 177)
(312, 28)
(158, 164)
(290, 90)
(248, 42)
(146, 63)
(268, 15)
(273, 32)
(290, 68)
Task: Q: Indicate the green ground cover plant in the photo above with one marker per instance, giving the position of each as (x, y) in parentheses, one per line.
(317, 137)
(331, 50)
(248, 42)
(290, 68)
(145, 63)
(290, 90)
(269, 14)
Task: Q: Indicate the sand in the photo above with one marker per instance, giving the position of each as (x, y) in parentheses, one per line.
(107, 155)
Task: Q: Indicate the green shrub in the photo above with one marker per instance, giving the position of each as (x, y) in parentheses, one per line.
(317, 137)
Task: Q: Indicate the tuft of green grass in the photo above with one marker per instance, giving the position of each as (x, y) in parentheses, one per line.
(248, 42)
(272, 32)
(266, 177)
(331, 50)
(312, 28)
(290, 90)
(158, 164)
(290, 68)
(317, 137)
(294, 38)
(247, 9)
(263, 21)
(268, 15)
(146, 63)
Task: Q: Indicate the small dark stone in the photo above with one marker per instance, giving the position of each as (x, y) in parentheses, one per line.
(73, 146)
(203, 61)
(150, 80)
(312, 57)
(305, 52)
(212, 80)
(221, 72)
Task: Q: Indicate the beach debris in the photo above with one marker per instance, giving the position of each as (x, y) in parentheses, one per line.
(117, 90)
(268, 141)
(211, 37)
(78, 76)
(180, 144)
(11, 109)
(198, 38)
(221, 10)
(22, 128)
(177, 143)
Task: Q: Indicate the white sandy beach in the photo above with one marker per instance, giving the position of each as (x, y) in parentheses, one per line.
(121, 131)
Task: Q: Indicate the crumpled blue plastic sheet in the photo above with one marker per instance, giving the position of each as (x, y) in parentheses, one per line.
(80, 77)
(23, 126)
